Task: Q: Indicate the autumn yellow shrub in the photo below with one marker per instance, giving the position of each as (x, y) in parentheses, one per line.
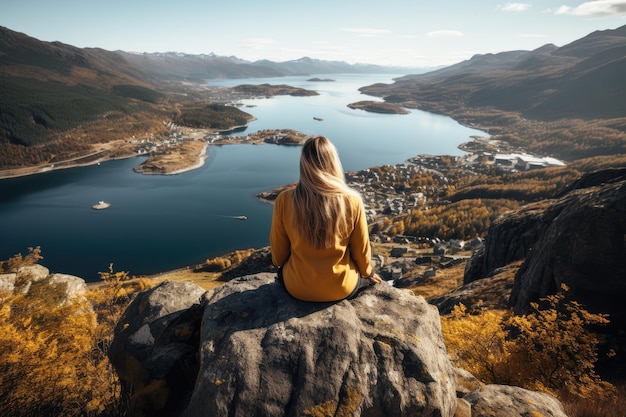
(476, 341)
(551, 349)
(17, 261)
(556, 350)
(53, 349)
(49, 363)
(222, 263)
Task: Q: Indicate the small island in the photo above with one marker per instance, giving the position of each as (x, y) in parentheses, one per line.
(326, 80)
(378, 107)
(268, 90)
(101, 205)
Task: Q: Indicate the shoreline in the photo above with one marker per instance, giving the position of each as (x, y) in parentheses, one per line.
(201, 160)
(24, 172)
(51, 167)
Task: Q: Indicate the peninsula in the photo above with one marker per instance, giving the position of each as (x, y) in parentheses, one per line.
(184, 157)
(187, 147)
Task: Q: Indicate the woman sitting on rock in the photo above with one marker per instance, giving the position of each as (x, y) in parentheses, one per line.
(319, 236)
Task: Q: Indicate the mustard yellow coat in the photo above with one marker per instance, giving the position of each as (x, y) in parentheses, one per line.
(312, 274)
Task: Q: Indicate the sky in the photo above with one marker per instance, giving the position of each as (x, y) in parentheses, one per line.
(409, 33)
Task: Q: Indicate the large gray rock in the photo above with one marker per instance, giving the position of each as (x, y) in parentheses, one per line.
(26, 275)
(7, 282)
(34, 272)
(68, 287)
(155, 348)
(75, 287)
(508, 401)
(265, 354)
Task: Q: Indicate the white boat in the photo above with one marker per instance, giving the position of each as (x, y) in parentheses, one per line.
(101, 205)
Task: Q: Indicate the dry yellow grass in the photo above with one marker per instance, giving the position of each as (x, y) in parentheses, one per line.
(206, 280)
(178, 158)
(445, 281)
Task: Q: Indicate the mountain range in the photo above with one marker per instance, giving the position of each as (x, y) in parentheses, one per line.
(49, 88)
(584, 79)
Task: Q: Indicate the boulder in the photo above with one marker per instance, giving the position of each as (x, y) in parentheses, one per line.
(465, 382)
(26, 275)
(250, 349)
(508, 401)
(74, 286)
(34, 272)
(155, 348)
(7, 282)
(69, 286)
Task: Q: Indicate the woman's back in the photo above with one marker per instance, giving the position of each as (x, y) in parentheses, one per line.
(319, 235)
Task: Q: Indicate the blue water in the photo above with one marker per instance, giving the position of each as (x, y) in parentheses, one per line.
(157, 223)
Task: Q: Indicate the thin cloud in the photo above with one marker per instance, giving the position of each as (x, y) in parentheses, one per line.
(444, 34)
(595, 8)
(367, 31)
(514, 7)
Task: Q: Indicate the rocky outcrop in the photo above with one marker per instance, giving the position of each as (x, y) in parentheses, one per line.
(578, 239)
(491, 293)
(259, 261)
(155, 348)
(248, 349)
(507, 401)
(70, 286)
(510, 237)
(262, 353)
(584, 247)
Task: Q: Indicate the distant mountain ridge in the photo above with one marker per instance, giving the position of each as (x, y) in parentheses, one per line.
(177, 66)
(584, 79)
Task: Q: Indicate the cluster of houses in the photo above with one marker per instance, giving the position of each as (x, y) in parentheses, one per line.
(155, 144)
(443, 254)
(381, 196)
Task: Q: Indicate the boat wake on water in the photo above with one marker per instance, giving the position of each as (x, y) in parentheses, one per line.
(234, 217)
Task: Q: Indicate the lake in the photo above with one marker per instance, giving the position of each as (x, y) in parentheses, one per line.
(158, 223)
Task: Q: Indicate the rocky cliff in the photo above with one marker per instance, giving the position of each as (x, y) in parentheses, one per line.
(248, 349)
(577, 239)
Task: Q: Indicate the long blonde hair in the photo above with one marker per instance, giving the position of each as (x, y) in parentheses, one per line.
(319, 200)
